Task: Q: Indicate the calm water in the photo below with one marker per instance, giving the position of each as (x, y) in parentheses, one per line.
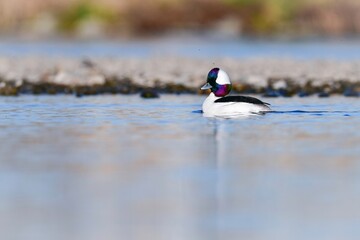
(190, 47)
(120, 167)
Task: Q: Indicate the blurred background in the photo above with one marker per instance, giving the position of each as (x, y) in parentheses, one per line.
(116, 165)
(123, 18)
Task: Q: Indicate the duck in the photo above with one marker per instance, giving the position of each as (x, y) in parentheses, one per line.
(219, 104)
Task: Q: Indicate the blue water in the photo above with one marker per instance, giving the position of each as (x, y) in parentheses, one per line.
(198, 47)
(122, 167)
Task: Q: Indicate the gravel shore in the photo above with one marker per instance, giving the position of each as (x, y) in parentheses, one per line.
(270, 77)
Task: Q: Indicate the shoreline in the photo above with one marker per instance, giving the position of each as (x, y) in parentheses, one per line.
(152, 76)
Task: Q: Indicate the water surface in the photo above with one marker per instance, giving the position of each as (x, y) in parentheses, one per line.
(122, 167)
(203, 47)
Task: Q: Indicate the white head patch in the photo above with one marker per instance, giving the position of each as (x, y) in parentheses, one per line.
(222, 78)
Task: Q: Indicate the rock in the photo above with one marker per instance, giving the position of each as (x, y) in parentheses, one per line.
(303, 94)
(149, 93)
(8, 89)
(350, 92)
(323, 95)
(271, 77)
(270, 93)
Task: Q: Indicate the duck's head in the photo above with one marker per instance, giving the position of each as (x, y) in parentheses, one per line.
(219, 82)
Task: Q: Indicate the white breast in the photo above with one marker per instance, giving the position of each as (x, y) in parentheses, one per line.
(212, 109)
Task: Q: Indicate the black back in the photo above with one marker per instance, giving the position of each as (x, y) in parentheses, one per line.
(244, 99)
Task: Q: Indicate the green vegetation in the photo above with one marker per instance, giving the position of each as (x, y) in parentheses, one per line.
(261, 17)
(83, 11)
(255, 17)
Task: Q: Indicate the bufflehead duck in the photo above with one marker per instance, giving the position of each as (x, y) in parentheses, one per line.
(218, 104)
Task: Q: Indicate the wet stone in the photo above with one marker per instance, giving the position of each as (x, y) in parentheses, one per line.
(88, 76)
(245, 88)
(270, 93)
(8, 89)
(285, 92)
(176, 88)
(149, 93)
(303, 94)
(323, 95)
(350, 92)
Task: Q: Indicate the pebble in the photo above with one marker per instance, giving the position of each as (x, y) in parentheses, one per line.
(270, 77)
(323, 95)
(149, 93)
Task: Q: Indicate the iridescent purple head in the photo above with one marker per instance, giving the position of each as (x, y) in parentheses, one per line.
(219, 82)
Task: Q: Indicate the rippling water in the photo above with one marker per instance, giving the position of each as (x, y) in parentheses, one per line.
(121, 167)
